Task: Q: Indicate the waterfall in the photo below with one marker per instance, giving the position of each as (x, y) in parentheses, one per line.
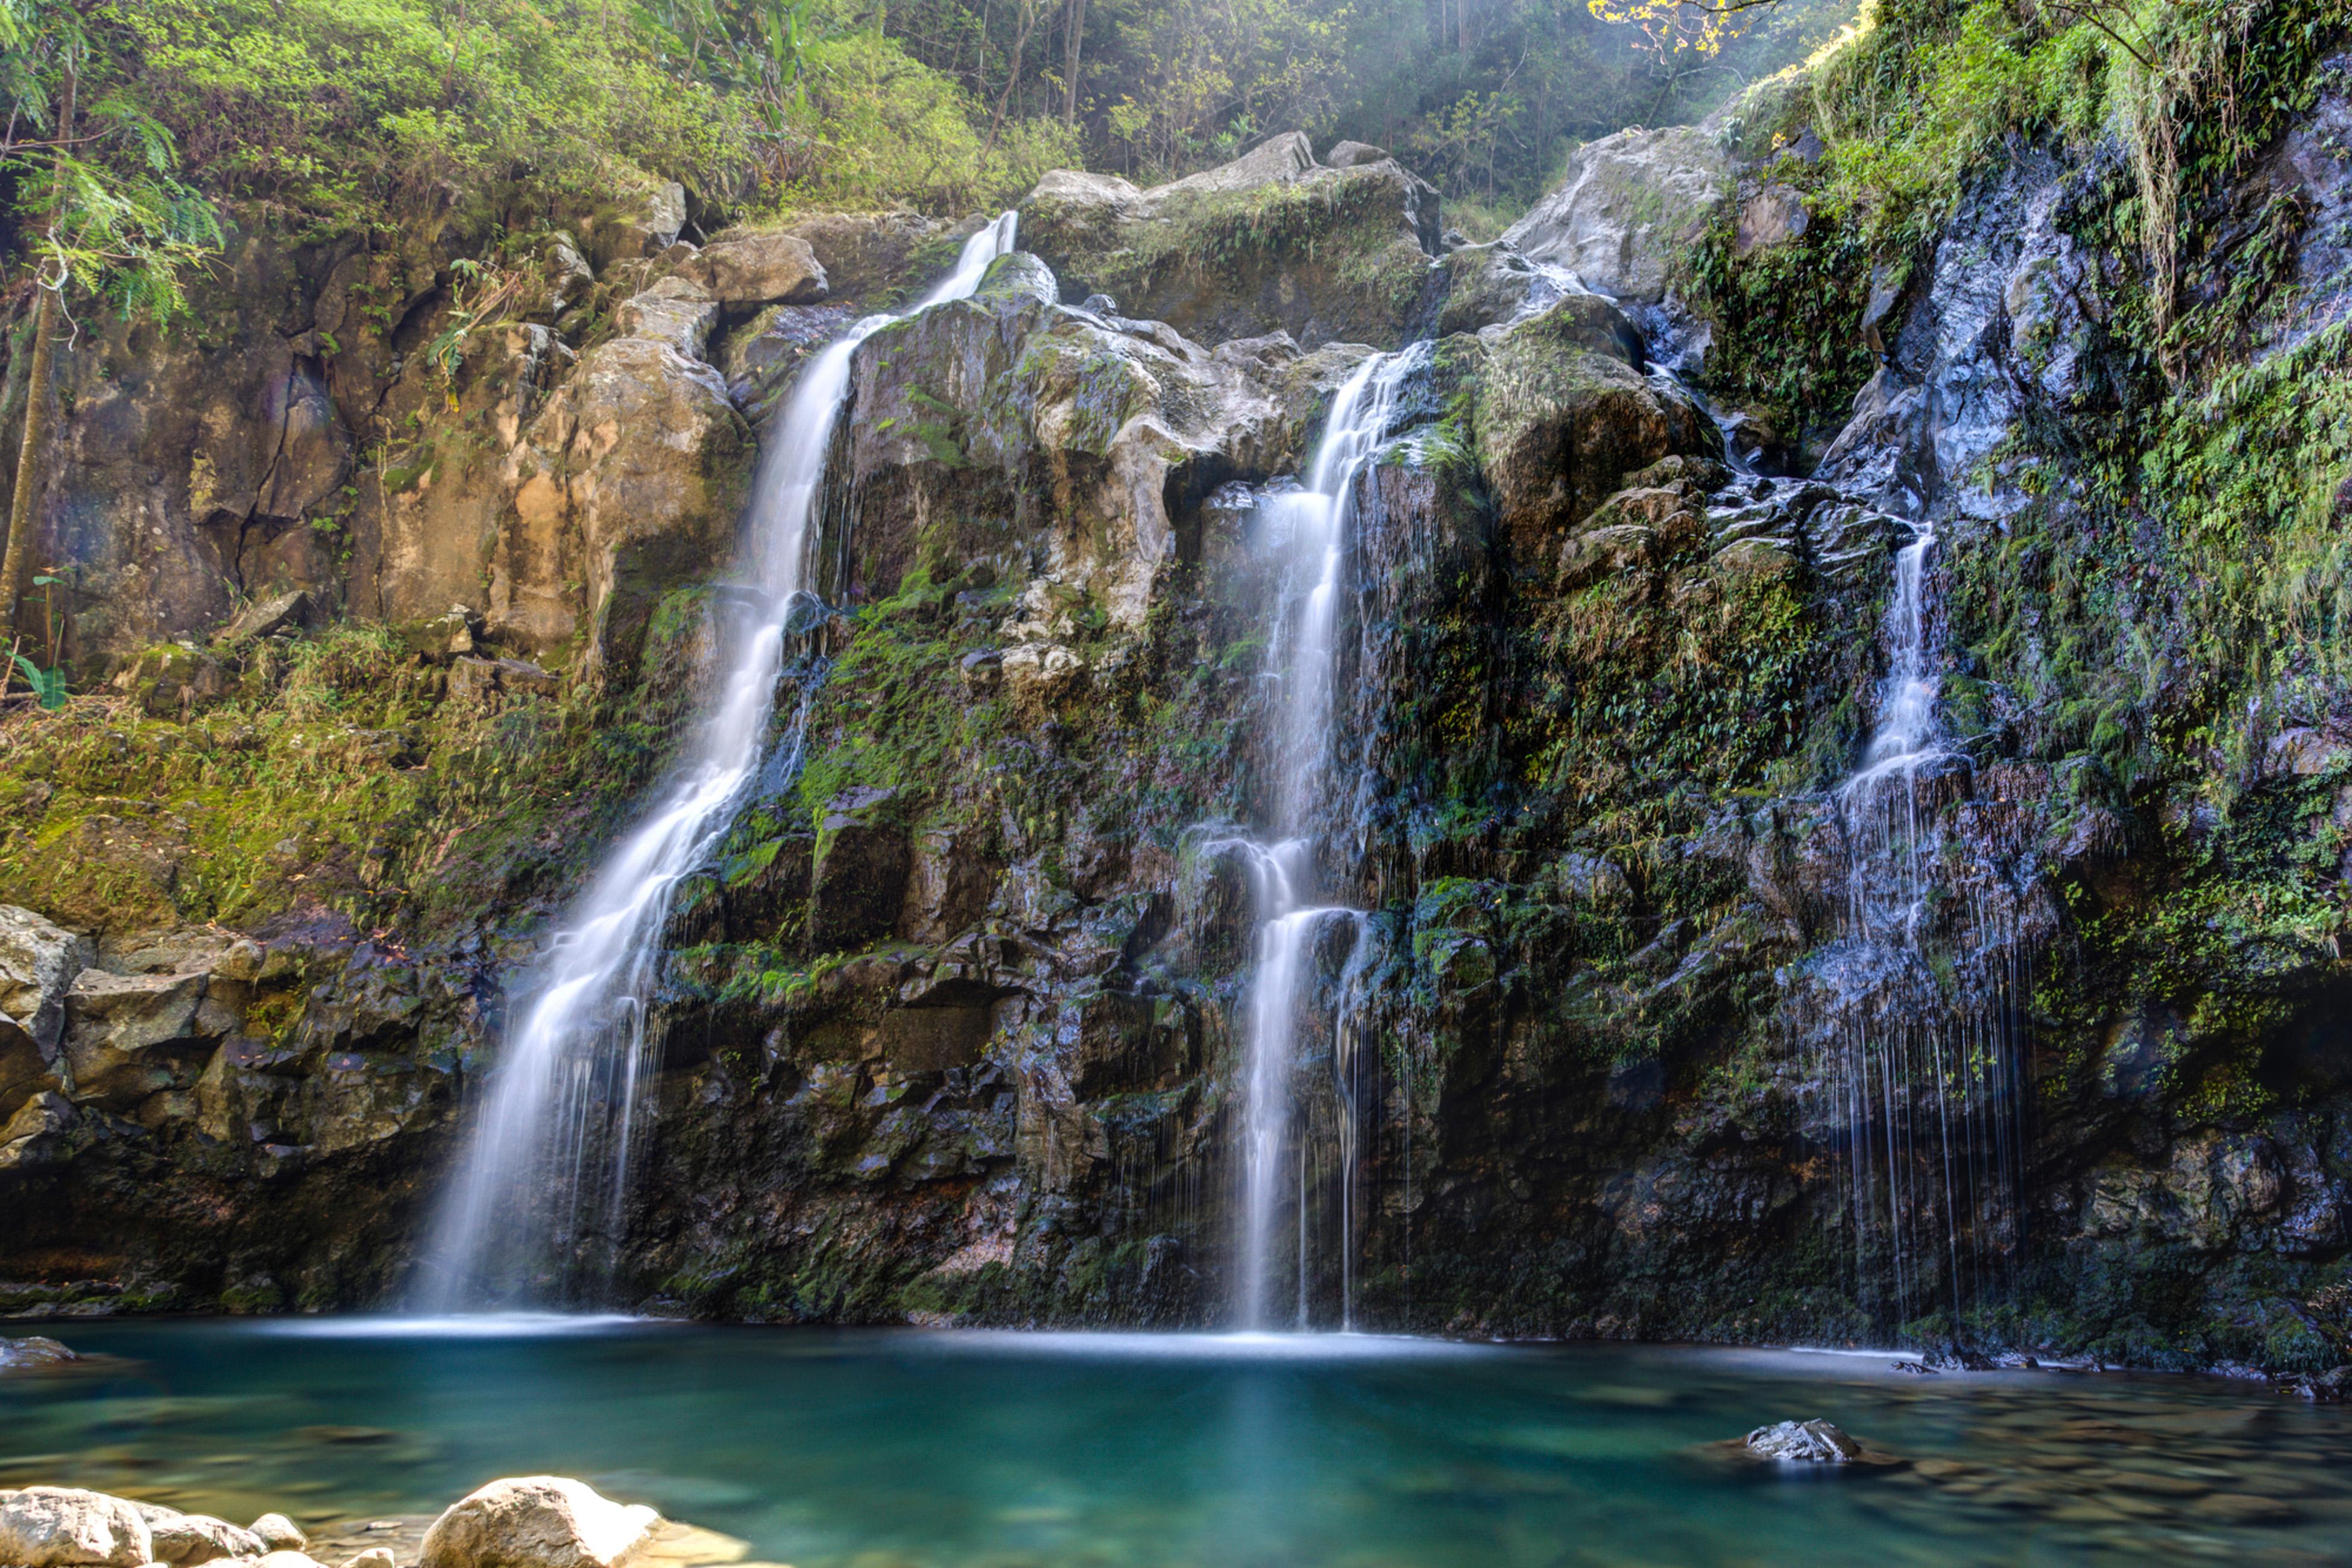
(549, 1160)
(1310, 526)
(1915, 1055)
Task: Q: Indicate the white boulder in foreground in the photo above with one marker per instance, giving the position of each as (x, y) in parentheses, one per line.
(64, 1527)
(279, 1533)
(184, 1540)
(537, 1521)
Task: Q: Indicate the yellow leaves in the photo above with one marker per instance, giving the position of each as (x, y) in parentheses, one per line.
(1674, 25)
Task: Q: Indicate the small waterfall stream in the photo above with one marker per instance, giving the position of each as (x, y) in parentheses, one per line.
(1312, 524)
(548, 1164)
(1919, 1066)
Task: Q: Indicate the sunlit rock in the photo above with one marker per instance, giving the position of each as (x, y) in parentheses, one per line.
(537, 1521)
(63, 1527)
(1629, 209)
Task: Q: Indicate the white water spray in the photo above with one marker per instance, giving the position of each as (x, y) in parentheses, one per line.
(550, 1157)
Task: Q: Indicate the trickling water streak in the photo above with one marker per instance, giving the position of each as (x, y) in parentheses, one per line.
(563, 1099)
(1919, 1058)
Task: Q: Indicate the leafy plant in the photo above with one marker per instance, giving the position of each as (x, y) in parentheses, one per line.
(48, 686)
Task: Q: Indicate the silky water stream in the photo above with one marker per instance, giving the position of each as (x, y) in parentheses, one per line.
(1307, 531)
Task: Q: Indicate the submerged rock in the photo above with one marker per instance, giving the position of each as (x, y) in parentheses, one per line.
(24, 1354)
(1803, 1442)
(537, 1521)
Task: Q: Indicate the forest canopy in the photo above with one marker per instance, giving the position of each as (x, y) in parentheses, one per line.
(328, 116)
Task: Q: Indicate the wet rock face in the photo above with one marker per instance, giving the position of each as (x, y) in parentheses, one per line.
(229, 457)
(995, 428)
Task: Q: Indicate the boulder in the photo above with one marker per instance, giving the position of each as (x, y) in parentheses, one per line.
(1605, 551)
(266, 616)
(1348, 154)
(537, 1521)
(1803, 1443)
(1494, 286)
(568, 276)
(279, 1533)
(639, 464)
(32, 1136)
(1774, 215)
(1272, 241)
(1277, 161)
(747, 271)
(873, 255)
(2302, 754)
(1761, 559)
(677, 311)
(374, 1557)
(62, 1527)
(184, 1540)
(33, 1351)
(1561, 420)
(641, 218)
(38, 962)
(1631, 205)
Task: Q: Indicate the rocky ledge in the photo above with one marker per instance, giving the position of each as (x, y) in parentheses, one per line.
(526, 1521)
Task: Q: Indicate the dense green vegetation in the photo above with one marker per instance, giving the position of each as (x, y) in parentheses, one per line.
(329, 116)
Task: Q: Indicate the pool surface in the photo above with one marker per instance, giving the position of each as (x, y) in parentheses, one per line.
(907, 1449)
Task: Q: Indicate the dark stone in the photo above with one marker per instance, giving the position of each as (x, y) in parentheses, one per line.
(859, 877)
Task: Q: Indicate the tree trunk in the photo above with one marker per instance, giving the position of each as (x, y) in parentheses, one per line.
(1020, 47)
(16, 565)
(1070, 68)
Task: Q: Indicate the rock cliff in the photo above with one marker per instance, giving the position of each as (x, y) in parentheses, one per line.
(949, 1028)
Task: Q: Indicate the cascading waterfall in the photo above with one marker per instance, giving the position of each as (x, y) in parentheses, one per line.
(549, 1160)
(1311, 524)
(1918, 1064)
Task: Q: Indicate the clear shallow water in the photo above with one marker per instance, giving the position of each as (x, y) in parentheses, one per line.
(912, 1449)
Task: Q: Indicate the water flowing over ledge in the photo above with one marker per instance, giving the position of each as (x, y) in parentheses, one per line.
(548, 1164)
